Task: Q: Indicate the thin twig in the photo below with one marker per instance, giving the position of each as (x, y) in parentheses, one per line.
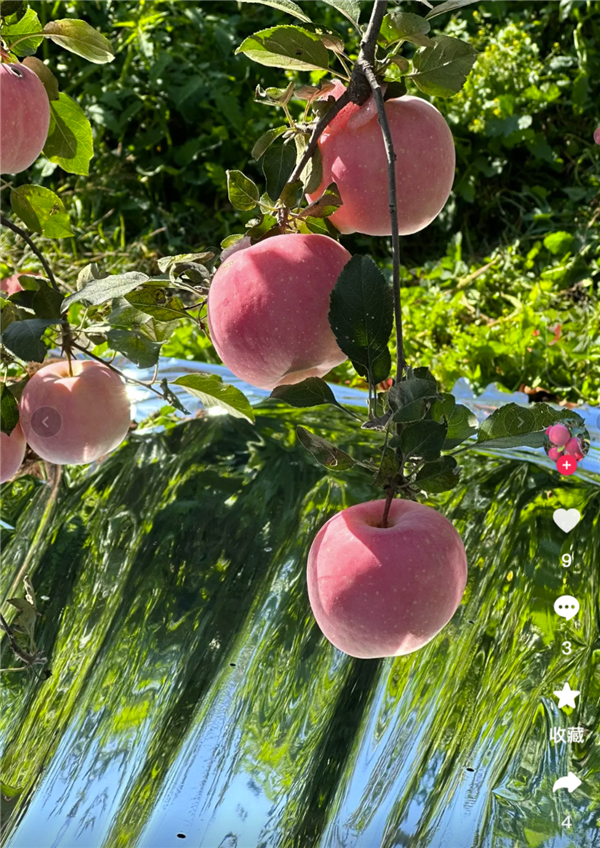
(117, 371)
(321, 125)
(393, 201)
(6, 223)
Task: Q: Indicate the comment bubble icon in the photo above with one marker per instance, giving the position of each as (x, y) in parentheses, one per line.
(566, 606)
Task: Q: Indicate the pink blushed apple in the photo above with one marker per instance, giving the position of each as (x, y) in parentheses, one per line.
(354, 158)
(268, 309)
(573, 448)
(559, 435)
(74, 419)
(24, 117)
(380, 592)
(12, 451)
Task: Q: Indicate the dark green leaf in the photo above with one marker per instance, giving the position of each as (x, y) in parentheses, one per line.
(423, 373)
(310, 392)
(461, 425)
(212, 391)
(123, 314)
(263, 225)
(423, 439)
(449, 6)
(414, 411)
(284, 6)
(156, 303)
(326, 205)
(361, 317)
(47, 302)
(10, 7)
(442, 70)
(46, 76)
(438, 476)
(324, 452)
(389, 468)
(443, 407)
(266, 140)
(41, 210)
(80, 38)
(405, 26)
(24, 338)
(349, 8)
(513, 425)
(405, 393)
(9, 410)
(242, 192)
(135, 345)
(70, 142)
(100, 291)
(289, 47)
(278, 164)
(292, 193)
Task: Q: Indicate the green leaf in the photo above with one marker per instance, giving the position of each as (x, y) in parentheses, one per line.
(46, 76)
(125, 315)
(514, 426)
(310, 392)
(10, 7)
(389, 468)
(284, 6)
(87, 274)
(274, 96)
(80, 38)
(232, 239)
(423, 439)
(26, 620)
(405, 26)
(70, 142)
(242, 192)
(324, 452)
(325, 206)
(349, 8)
(289, 47)
(169, 264)
(411, 397)
(104, 289)
(266, 140)
(212, 391)
(361, 317)
(438, 476)
(312, 175)
(135, 345)
(24, 338)
(47, 302)
(442, 70)
(449, 6)
(9, 410)
(29, 23)
(559, 243)
(156, 303)
(278, 164)
(462, 424)
(41, 210)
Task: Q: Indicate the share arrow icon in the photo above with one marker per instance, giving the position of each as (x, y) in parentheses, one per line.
(570, 782)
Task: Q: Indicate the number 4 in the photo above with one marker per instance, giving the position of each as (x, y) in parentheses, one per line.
(567, 822)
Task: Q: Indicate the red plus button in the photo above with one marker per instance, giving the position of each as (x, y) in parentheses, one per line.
(566, 465)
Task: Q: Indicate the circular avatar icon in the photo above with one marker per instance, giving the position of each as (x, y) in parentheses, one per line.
(46, 421)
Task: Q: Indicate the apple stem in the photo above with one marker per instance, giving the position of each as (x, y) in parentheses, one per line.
(389, 497)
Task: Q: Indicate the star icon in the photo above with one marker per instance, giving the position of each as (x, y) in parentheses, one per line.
(566, 696)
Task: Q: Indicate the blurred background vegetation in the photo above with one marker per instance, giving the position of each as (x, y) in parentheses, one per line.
(503, 287)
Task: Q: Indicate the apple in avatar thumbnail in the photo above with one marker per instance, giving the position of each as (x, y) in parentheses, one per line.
(73, 419)
(381, 592)
(268, 309)
(12, 451)
(354, 158)
(24, 117)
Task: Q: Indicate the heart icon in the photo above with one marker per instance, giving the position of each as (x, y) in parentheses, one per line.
(566, 518)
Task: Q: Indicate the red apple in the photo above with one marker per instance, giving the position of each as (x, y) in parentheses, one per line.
(11, 285)
(24, 117)
(12, 451)
(384, 592)
(354, 158)
(268, 308)
(75, 419)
